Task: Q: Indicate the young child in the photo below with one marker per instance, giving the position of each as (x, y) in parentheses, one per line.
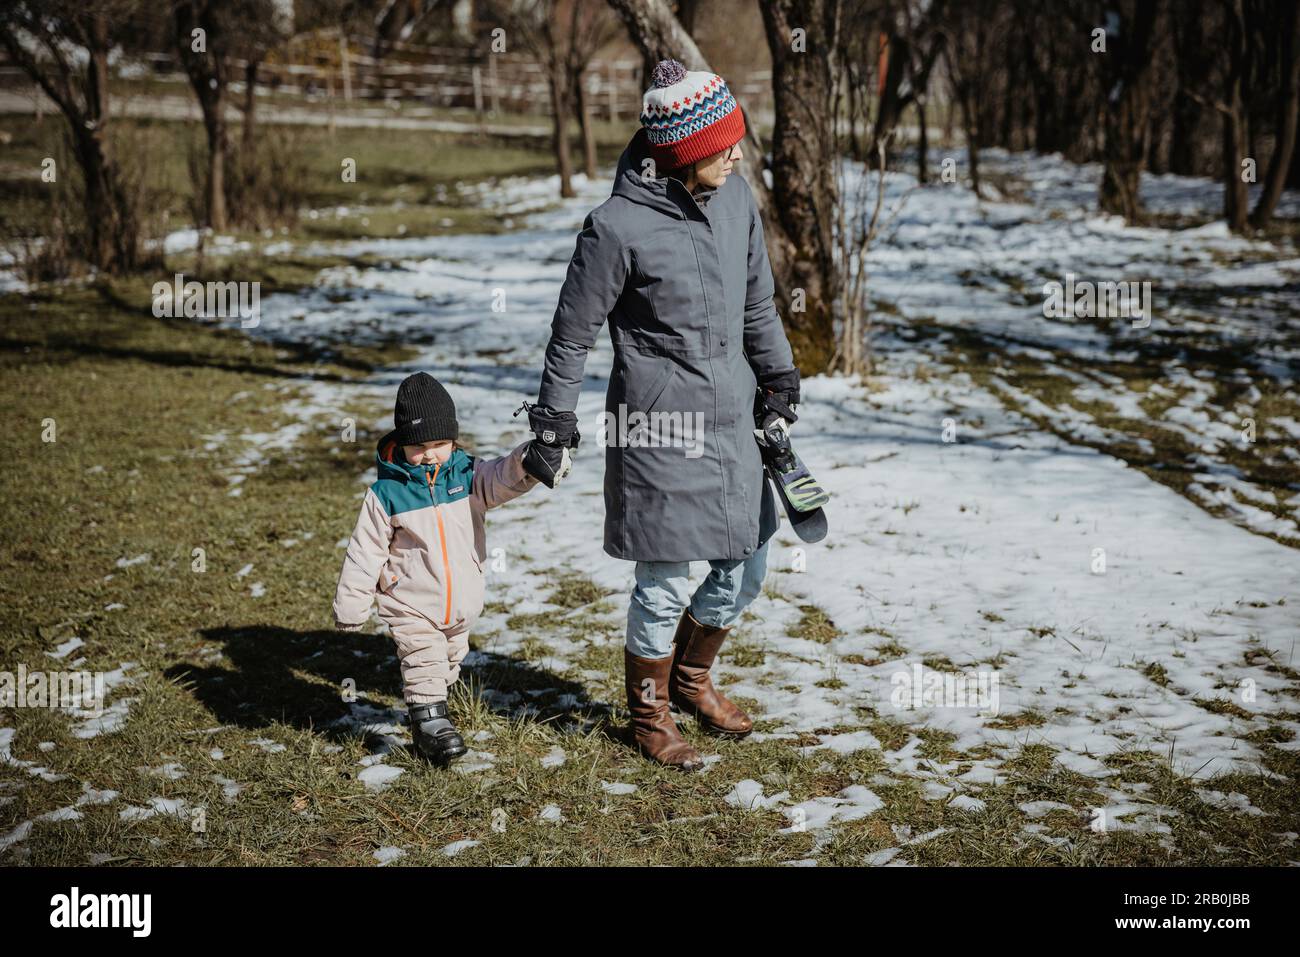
(419, 547)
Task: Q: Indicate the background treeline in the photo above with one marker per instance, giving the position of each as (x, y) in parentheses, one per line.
(1192, 87)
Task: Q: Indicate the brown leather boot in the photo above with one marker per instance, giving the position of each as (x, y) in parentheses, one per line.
(654, 733)
(690, 687)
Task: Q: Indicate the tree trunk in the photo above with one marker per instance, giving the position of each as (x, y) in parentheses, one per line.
(111, 237)
(214, 123)
(1293, 174)
(104, 196)
(1128, 106)
(854, 92)
(1188, 114)
(1186, 128)
(582, 107)
(1236, 197)
(922, 143)
(687, 11)
(559, 132)
(969, 125)
(207, 71)
(250, 105)
(803, 174)
(108, 246)
(897, 53)
(1288, 102)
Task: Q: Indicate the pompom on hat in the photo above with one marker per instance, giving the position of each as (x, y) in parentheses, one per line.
(688, 115)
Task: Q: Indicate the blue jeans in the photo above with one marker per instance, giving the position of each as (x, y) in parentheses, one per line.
(663, 590)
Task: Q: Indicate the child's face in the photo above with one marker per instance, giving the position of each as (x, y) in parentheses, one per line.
(428, 453)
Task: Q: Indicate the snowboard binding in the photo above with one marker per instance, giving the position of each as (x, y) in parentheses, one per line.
(801, 496)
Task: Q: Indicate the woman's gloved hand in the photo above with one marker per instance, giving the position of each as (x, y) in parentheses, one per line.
(547, 457)
(777, 400)
(548, 464)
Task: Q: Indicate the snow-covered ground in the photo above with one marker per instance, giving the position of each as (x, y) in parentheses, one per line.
(1096, 605)
(1218, 355)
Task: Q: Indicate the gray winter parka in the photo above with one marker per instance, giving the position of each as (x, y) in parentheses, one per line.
(687, 288)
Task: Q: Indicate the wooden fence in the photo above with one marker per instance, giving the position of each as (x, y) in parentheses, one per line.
(325, 64)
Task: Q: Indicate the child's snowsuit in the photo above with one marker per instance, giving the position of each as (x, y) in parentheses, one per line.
(418, 550)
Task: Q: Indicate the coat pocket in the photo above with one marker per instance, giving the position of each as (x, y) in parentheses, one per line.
(653, 375)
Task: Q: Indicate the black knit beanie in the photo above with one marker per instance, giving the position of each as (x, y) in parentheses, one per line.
(424, 411)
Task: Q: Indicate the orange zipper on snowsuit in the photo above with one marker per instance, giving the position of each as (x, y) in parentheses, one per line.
(442, 537)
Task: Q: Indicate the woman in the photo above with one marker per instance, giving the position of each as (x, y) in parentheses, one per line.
(675, 260)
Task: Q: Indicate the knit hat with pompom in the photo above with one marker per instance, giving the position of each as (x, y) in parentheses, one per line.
(688, 115)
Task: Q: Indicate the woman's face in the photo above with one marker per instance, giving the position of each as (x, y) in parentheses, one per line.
(714, 170)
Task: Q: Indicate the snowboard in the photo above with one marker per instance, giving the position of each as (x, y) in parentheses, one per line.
(801, 496)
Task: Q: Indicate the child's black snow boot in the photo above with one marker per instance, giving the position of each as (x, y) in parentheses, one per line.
(435, 736)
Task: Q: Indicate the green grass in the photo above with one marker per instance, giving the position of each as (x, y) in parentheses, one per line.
(815, 625)
(405, 182)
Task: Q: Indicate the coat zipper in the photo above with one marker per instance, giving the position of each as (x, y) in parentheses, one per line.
(442, 538)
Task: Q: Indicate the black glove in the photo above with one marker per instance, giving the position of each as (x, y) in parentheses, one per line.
(548, 464)
(553, 428)
(778, 395)
(547, 457)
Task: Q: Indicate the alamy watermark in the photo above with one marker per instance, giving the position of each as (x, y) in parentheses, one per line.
(52, 689)
(75, 909)
(919, 687)
(658, 429)
(208, 300)
(1098, 300)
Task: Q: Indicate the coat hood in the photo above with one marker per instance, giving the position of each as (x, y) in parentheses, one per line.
(657, 192)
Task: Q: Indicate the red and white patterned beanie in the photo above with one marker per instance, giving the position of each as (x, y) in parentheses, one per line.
(688, 115)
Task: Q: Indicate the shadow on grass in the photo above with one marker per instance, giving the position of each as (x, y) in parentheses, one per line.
(299, 678)
(180, 358)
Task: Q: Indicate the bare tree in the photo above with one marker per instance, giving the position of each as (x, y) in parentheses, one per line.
(204, 46)
(913, 43)
(1232, 108)
(968, 38)
(211, 36)
(1288, 101)
(1134, 28)
(803, 168)
(563, 36)
(1195, 59)
(63, 46)
(266, 25)
(592, 25)
(855, 228)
